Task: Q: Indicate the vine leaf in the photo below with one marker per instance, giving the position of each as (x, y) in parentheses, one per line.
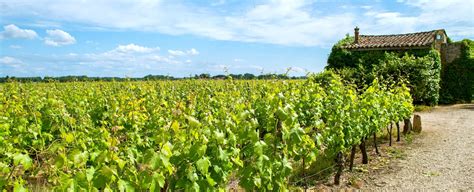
(203, 165)
(22, 159)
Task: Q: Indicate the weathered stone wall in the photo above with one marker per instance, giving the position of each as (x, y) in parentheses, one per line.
(440, 39)
(450, 52)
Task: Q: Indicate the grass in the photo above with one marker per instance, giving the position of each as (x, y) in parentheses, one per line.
(318, 171)
(431, 174)
(409, 138)
(421, 108)
(396, 153)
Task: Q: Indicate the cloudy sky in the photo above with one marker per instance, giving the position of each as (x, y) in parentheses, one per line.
(183, 37)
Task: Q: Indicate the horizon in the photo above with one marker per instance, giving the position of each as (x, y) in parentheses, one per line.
(167, 76)
(186, 38)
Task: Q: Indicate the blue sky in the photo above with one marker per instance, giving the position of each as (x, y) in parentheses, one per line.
(135, 38)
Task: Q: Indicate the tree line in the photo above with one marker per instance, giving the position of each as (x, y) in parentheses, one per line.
(83, 78)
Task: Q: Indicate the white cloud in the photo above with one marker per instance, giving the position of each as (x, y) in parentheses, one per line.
(131, 54)
(161, 59)
(385, 22)
(176, 52)
(10, 61)
(13, 32)
(452, 14)
(183, 53)
(455, 16)
(283, 22)
(58, 38)
(192, 52)
(289, 23)
(45, 24)
(135, 48)
(277, 22)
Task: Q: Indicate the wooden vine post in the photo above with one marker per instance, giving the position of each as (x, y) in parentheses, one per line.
(363, 150)
(340, 167)
(375, 144)
(351, 161)
(398, 131)
(390, 134)
(407, 127)
(417, 123)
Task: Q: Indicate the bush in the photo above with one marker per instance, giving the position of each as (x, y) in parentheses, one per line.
(422, 74)
(457, 83)
(421, 68)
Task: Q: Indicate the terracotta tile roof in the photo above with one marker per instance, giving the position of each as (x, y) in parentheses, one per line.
(398, 41)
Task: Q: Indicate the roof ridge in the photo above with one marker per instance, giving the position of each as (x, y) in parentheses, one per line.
(403, 34)
(395, 41)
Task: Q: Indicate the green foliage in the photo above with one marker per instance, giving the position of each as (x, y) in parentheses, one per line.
(340, 57)
(421, 69)
(191, 135)
(457, 83)
(343, 58)
(422, 74)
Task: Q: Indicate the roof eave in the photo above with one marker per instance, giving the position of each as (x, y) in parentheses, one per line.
(389, 48)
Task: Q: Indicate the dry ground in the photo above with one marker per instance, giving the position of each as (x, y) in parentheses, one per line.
(441, 157)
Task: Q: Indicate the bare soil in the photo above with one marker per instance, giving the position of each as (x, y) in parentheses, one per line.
(441, 157)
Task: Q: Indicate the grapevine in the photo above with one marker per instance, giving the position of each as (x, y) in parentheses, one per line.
(196, 135)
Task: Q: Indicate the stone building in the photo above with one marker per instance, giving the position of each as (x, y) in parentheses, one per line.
(436, 39)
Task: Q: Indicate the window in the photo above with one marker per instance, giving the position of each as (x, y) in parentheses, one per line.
(439, 37)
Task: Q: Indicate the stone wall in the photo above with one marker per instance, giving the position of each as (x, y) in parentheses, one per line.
(439, 42)
(450, 52)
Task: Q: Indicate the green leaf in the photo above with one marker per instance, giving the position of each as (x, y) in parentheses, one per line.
(90, 173)
(108, 172)
(68, 137)
(191, 175)
(108, 189)
(210, 180)
(160, 179)
(203, 165)
(22, 159)
(197, 151)
(281, 114)
(192, 121)
(238, 162)
(258, 147)
(121, 163)
(18, 187)
(80, 157)
(196, 187)
(125, 186)
(4, 168)
(221, 154)
(175, 126)
(257, 182)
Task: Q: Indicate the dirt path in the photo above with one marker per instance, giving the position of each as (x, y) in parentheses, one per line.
(440, 158)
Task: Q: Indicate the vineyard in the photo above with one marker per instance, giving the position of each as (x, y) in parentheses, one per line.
(195, 135)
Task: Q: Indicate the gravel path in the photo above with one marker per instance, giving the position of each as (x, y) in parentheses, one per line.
(440, 158)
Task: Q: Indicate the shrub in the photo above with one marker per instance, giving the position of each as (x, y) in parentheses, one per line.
(457, 83)
(421, 68)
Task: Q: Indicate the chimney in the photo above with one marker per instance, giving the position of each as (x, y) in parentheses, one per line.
(356, 35)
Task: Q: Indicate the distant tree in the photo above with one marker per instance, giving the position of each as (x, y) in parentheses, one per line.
(249, 76)
(204, 76)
